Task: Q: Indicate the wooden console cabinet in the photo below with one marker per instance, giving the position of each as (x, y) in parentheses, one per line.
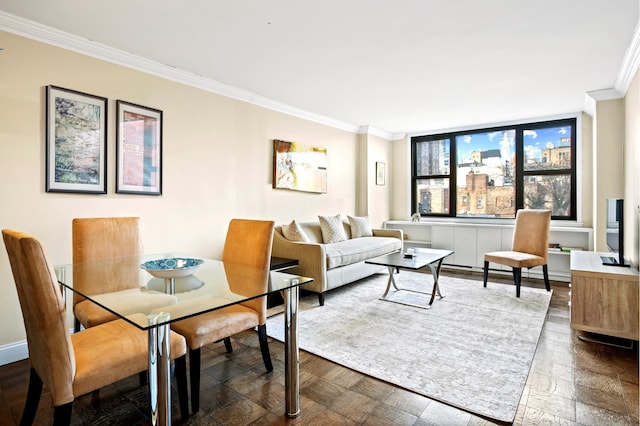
(604, 299)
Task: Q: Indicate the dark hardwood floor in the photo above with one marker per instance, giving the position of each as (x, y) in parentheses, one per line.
(571, 382)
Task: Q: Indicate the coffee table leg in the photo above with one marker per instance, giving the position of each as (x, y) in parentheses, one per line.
(390, 282)
(435, 271)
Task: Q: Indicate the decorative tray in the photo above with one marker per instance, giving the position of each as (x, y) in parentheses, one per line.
(175, 267)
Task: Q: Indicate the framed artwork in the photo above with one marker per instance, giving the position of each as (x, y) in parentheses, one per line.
(299, 167)
(380, 173)
(138, 149)
(76, 142)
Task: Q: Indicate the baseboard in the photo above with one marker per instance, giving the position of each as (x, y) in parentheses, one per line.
(13, 352)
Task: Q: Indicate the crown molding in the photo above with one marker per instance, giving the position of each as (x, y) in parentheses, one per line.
(591, 98)
(51, 36)
(630, 63)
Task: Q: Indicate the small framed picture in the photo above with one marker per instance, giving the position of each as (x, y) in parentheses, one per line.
(380, 173)
(138, 149)
(76, 142)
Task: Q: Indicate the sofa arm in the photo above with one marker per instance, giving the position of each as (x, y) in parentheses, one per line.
(396, 233)
(311, 257)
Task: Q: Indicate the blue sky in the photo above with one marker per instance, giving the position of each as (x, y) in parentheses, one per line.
(485, 141)
(534, 141)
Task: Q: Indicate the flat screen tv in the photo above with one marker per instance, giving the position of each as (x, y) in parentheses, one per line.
(615, 233)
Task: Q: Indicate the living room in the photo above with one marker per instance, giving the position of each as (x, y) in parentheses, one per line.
(218, 159)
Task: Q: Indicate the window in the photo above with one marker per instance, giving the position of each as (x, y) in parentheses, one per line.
(496, 171)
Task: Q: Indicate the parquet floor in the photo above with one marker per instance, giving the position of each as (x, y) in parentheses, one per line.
(571, 382)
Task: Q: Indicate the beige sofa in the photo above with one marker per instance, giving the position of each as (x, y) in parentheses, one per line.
(335, 264)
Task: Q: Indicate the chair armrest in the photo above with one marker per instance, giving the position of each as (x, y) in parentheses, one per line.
(311, 257)
(395, 233)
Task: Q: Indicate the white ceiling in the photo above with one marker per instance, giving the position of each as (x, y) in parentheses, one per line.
(397, 66)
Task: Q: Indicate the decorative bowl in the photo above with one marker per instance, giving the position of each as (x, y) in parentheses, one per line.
(175, 267)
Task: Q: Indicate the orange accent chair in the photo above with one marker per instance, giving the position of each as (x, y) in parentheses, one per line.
(247, 244)
(529, 249)
(74, 364)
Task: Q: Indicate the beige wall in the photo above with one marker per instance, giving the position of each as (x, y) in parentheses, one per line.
(401, 192)
(608, 162)
(378, 196)
(585, 173)
(217, 162)
(631, 169)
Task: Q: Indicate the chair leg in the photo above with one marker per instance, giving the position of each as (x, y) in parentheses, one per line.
(143, 377)
(62, 414)
(517, 276)
(181, 379)
(76, 325)
(227, 344)
(194, 375)
(485, 272)
(321, 299)
(545, 271)
(264, 347)
(33, 399)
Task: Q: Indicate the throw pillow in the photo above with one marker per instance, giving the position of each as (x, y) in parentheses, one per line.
(332, 229)
(360, 227)
(294, 232)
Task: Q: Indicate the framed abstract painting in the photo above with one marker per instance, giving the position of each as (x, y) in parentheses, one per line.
(138, 149)
(299, 167)
(76, 142)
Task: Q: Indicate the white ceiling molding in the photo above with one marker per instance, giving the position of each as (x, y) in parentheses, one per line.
(630, 64)
(605, 94)
(591, 98)
(589, 105)
(35, 31)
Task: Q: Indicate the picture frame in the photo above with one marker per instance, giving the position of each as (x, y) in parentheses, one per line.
(76, 142)
(380, 173)
(299, 167)
(138, 149)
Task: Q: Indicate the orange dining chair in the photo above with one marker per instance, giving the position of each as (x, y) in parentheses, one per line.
(247, 244)
(70, 365)
(102, 238)
(529, 248)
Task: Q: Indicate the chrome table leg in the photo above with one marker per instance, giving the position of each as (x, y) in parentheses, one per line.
(291, 353)
(159, 367)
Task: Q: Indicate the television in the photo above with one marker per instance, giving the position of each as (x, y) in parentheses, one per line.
(615, 233)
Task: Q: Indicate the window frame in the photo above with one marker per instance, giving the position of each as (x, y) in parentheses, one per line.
(520, 173)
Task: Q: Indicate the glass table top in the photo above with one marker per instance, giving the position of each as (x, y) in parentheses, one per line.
(161, 292)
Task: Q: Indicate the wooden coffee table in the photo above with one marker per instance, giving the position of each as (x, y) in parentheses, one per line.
(422, 257)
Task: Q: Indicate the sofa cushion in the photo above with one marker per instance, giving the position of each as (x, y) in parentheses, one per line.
(360, 227)
(294, 232)
(359, 249)
(332, 229)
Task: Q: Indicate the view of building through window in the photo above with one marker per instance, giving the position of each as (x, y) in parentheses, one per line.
(485, 174)
(496, 171)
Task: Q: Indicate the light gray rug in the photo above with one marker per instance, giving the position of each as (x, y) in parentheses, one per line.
(472, 349)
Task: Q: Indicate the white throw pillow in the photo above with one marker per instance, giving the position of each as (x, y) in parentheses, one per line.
(294, 232)
(332, 229)
(360, 227)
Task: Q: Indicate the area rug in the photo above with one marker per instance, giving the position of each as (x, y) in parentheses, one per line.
(472, 350)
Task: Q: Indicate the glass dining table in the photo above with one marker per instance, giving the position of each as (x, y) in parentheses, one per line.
(130, 286)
